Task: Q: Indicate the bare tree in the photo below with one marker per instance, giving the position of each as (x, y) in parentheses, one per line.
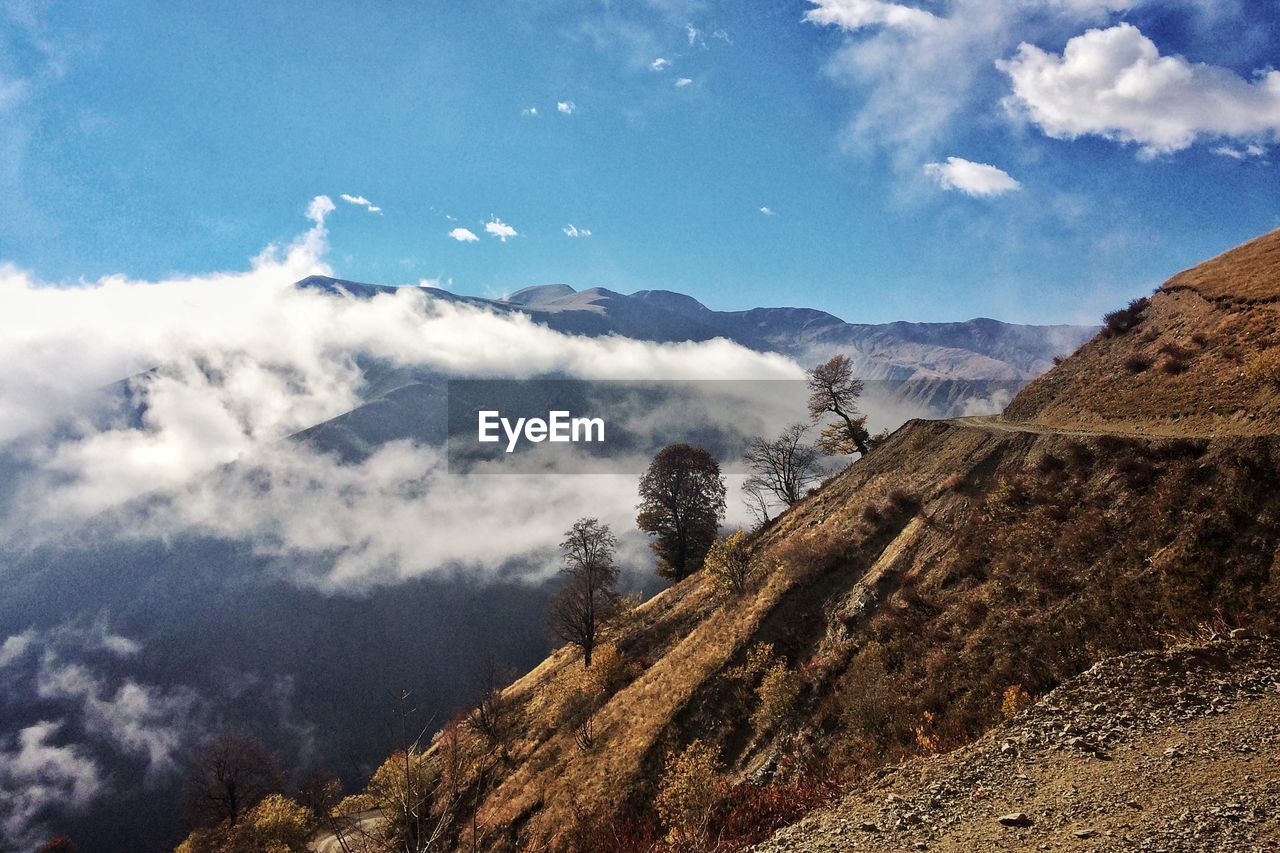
(834, 390)
(589, 596)
(758, 500)
(681, 504)
(227, 776)
(494, 717)
(785, 467)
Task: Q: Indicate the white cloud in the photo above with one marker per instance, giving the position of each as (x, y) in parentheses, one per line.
(693, 33)
(529, 112)
(682, 82)
(44, 775)
(768, 211)
(463, 235)
(15, 646)
(136, 719)
(361, 201)
(572, 230)
(660, 64)
(974, 179)
(1244, 153)
(917, 70)
(500, 229)
(722, 36)
(38, 778)
(320, 207)
(857, 14)
(566, 107)
(238, 361)
(1115, 84)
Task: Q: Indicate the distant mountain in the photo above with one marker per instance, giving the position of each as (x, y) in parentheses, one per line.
(978, 349)
(915, 369)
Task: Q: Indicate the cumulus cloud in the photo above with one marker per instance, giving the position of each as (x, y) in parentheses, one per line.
(500, 229)
(361, 201)
(572, 230)
(1114, 83)
(529, 112)
(974, 179)
(682, 82)
(917, 71)
(566, 107)
(463, 235)
(660, 64)
(768, 211)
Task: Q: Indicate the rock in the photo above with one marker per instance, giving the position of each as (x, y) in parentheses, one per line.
(868, 826)
(1015, 819)
(1085, 833)
(1241, 634)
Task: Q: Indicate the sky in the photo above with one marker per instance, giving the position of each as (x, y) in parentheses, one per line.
(1029, 161)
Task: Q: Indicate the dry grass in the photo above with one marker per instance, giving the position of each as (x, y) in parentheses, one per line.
(1247, 273)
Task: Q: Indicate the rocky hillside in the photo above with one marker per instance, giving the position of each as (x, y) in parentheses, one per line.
(1162, 751)
(962, 570)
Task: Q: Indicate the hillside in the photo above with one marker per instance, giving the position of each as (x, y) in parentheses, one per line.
(1202, 358)
(1170, 750)
(962, 568)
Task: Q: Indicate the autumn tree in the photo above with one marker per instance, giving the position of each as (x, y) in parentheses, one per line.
(834, 390)
(589, 596)
(681, 504)
(228, 776)
(782, 470)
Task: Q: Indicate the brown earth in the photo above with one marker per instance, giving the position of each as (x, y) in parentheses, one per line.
(1168, 751)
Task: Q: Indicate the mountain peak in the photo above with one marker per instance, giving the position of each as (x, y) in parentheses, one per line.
(540, 294)
(677, 303)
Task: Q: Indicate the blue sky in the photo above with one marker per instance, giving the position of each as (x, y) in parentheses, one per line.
(1131, 140)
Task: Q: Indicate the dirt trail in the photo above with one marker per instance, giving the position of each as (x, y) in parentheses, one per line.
(997, 423)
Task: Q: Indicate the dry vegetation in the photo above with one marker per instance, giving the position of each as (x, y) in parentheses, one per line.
(1247, 273)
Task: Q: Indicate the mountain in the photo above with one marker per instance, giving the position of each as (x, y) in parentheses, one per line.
(962, 571)
(912, 369)
(979, 349)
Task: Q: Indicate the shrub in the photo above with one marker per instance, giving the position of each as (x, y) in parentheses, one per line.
(1014, 701)
(1172, 365)
(1264, 368)
(778, 692)
(1137, 363)
(688, 791)
(729, 562)
(1124, 319)
(354, 804)
(275, 825)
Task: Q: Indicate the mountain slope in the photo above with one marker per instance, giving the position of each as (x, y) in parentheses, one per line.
(895, 611)
(1171, 750)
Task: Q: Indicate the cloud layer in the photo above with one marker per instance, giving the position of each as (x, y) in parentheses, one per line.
(226, 366)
